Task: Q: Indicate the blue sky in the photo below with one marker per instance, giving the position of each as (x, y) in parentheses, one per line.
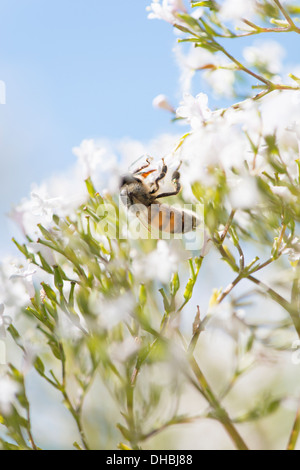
(76, 69)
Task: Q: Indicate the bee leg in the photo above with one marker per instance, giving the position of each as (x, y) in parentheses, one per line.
(160, 177)
(144, 166)
(176, 183)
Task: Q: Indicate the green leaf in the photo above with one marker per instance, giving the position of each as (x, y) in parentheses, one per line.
(55, 348)
(56, 219)
(9, 446)
(48, 235)
(77, 446)
(142, 295)
(125, 432)
(39, 366)
(182, 28)
(189, 290)
(165, 300)
(58, 282)
(211, 4)
(21, 248)
(90, 187)
(296, 79)
(190, 21)
(14, 333)
(45, 265)
(35, 313)
(49, 292)
(71, 295)
(174, 284)
(281, 23)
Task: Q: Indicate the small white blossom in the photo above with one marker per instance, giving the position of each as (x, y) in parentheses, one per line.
(45, 251)
(293, 251)
(8, 391)
(195, 59)
(71, 326)
(13, 294)
(216, 74)
(112, 311)
(160, 263)
(43, 206)
(121, 352)
(161, 102)
(194, 109)
(284, 193)
(244, 193)
(165, 10)
(280, 111)
(267, 54)
(5, 321)
(221, 81)
(223, 316)
(232, 10)
(91, 156)
(25, 274)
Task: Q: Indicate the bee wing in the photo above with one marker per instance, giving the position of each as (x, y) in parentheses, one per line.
(137, 163)
(143, 214)
(144, 166)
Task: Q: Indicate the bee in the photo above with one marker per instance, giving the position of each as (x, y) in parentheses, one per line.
(142, 199)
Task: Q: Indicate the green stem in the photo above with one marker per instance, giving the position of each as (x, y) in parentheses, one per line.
(219, 412)
(229, 288)
(77, 419)
(287, 17)
(295, 432)
(294, 313)
(288, 306)
(229, 222)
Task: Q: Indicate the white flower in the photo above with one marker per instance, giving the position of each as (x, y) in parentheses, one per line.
(38, 209)
(92, 156)
(280, 111)
(121, 352)
(71, 326)
(223, 316)
(207, 244)
(244, 193)
(221, 81)
(5, 321)
(194, 109)
(293, 251)
(45, 251)
(166, 10)
(110, 312)
(161, 102)
(284, 193)
(232, 10)
(13, 294)
(8, 391)
(43, 206)
(209, 146)
(266, 54)
(217, 76)
(160, 263)
(25, 274)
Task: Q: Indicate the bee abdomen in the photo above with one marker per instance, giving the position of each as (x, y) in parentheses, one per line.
(170, 220)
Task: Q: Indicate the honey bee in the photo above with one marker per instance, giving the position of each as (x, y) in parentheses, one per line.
(143, 198)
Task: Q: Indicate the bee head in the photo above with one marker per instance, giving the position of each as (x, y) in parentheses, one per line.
(127, 179)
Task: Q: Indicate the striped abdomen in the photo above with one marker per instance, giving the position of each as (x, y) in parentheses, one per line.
(171, 220)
